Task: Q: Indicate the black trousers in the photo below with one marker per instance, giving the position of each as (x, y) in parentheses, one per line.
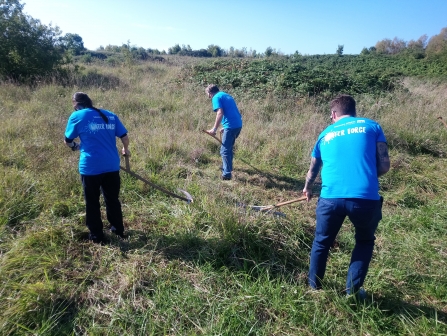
(109, 185)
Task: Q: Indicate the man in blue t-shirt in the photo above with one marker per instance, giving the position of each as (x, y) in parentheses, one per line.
(99, 162)
(229, 116)
(353, 153)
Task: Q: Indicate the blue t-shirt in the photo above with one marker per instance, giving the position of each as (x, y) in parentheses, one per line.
(99, 153)
(231, 115)
(348, 151)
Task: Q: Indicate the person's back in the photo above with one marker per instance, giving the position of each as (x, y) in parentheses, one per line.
(98, 163)
(98, 144)
(231, 115)
(348, 151)
(353, 153)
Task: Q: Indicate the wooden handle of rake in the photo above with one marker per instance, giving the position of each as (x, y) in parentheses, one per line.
(284, 203)
(187, 199)
(442, 120)
(126, 157)
(215, 137)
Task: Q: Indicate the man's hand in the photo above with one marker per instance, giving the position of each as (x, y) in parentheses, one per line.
(382, 158)
(308, 194)
(315, 165)
(76, 146)
(212, 131)
(125, 151)
(125, 140)
(73, 145)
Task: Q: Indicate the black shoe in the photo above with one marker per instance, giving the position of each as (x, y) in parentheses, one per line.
(225, 178)
(96, 239)
(119, 234)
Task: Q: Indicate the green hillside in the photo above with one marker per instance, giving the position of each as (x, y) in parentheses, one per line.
(213, 267)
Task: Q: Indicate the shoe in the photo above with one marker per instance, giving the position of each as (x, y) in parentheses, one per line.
(360, 296)
(119, 234)
(225, 178)
(96, 239)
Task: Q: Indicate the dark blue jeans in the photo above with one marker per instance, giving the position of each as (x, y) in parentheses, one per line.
(109, 185)
(226, 150)
(331, 212)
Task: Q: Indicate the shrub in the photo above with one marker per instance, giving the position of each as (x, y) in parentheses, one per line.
(27, 47)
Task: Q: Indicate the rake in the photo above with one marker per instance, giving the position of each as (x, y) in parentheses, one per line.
(247, 163)
(270, 208)
(263, 208)
(188, 198)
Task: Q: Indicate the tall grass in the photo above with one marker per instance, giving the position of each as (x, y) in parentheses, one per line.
(212, 267)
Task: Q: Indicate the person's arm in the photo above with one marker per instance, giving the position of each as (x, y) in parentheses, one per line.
(72, 144)
(71, 133)
(382, 158)
(219, 116)
(315, 165)
(125, 141)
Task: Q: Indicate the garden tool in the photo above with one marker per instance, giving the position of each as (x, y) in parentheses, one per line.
(187, 199)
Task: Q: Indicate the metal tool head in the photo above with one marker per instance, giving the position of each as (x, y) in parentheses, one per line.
(188, 196)
(263, 209)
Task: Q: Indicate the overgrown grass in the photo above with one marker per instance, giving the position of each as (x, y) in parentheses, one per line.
(212, 267)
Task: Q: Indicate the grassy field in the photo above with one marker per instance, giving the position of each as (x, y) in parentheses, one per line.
(213, 267)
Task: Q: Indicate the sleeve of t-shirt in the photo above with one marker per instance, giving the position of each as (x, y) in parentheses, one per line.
(120, 130)
(380, 134)
(71, 131)
(216, 103)
(316, 151)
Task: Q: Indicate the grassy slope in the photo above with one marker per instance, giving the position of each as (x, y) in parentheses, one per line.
(210, 268)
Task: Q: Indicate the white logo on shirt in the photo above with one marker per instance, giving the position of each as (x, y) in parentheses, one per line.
(332, 135)
(94, 127)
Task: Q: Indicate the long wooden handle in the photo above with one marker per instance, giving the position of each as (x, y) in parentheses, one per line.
(442, 120)
(291, 201)
(215, 137)
(155, 186)
(267, 208)
(128, 171)
(126, 157)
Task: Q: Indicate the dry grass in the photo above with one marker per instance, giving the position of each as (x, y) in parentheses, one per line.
(211, 267)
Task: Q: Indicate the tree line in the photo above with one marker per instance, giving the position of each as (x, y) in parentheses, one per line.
(420, 48)
(30, 49)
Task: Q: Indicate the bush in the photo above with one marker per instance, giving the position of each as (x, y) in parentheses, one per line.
(315, 75)
(27, 48)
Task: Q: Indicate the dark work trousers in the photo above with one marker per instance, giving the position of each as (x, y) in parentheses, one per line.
(109, 185)
(331, 212)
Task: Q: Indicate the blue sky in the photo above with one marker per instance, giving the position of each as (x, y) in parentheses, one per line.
(309, 26)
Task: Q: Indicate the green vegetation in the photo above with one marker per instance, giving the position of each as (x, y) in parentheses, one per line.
(317, 75)
(27, 48)
(212, 267)
(372, 72)
(30, 50)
